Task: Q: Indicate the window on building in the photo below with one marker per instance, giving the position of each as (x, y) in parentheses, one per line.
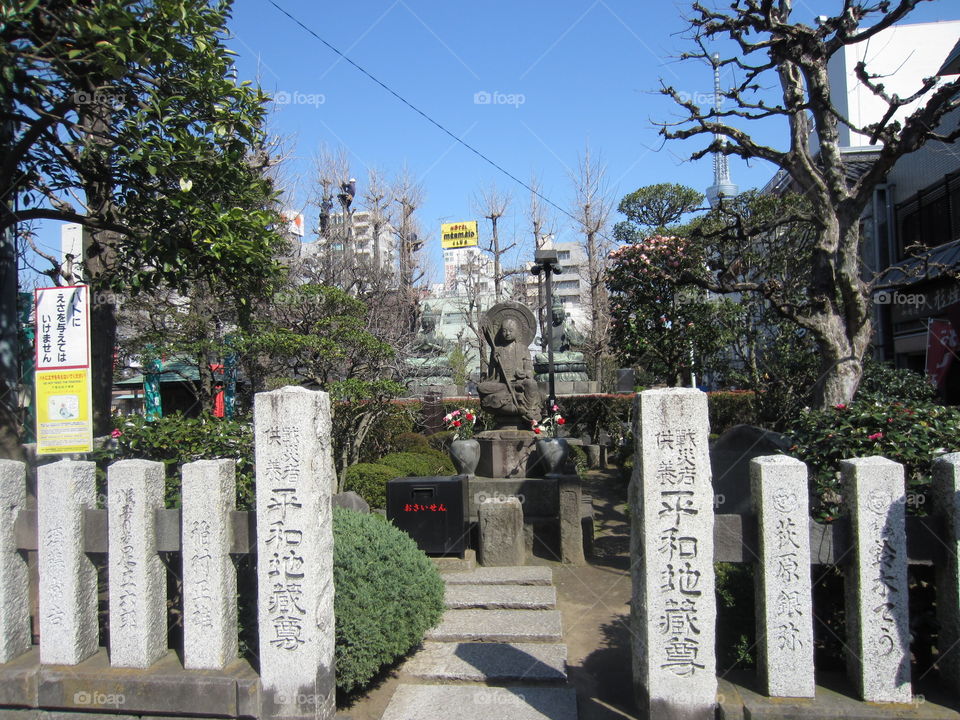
(567, 284)
(563, 255)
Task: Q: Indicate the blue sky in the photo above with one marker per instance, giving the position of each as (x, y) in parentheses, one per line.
(558, 76)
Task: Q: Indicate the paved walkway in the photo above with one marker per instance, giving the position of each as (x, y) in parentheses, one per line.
(497, 653)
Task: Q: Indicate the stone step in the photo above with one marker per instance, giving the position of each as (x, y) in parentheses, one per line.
(498, 626)
(463, 702)
(523, 575)
(489, 662)
(502, 597)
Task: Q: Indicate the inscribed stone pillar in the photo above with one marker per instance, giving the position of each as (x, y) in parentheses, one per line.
(68, 578)
(14, 574)
(138, 580)
(571, 530)
(209, 578)
(946, 488)
(878, 627)
(784, 605)
(295, 484)
(671, 553)
(501, 532)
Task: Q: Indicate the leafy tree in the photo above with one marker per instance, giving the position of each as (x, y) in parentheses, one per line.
(657, 325)
(654, 209)
(835, 308)
(127, 119)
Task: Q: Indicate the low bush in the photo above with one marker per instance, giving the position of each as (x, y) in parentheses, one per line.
(419, 464)
(911, 434)
(410, 442)
(882, 383)
(441, 440)
(369, 481)
(388, 594)
(727, 408)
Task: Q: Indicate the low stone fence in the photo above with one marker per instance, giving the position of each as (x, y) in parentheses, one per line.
(676, 538)
(291, 535)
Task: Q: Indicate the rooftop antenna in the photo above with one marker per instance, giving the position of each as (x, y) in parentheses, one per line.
(723, 186)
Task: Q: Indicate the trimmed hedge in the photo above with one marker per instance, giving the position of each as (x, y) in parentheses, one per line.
(422, 463)
(388, 594)
(369, 481)
(727, 408)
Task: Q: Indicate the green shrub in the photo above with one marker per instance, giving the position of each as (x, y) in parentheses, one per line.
(177, 439)
(410, 442)
(580, 460)
(910, 434)
(882, 383)
(441, 440)
(727, 408)
(399, 419)
(419, 464)
(388, 594)
(593, 415)
(369, 481)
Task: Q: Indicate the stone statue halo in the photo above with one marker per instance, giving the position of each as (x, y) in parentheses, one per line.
(494, 318)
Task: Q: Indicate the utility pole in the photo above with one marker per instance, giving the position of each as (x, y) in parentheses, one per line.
(547, 262)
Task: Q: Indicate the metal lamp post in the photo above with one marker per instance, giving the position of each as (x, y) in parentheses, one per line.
(546, 261)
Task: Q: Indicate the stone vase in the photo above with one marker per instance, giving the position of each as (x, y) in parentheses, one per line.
(465, 455)
(553, 453)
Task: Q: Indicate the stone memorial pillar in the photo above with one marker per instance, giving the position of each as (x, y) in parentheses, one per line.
(138, 579)
(501, 532)
(784, 606)
(295, 483)
(878, 625)
(68, 579)
(14, 574)
(209, 578)
(671, 553)
(571, 530)
(946, 488)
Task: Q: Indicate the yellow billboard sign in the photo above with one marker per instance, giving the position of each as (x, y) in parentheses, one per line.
(64, 417)
(459, 235)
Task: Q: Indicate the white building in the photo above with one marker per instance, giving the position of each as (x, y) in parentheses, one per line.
(368, 241)
(467, 270)
(571, 287)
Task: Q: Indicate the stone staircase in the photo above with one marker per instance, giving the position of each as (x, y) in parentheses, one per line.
(497, 653)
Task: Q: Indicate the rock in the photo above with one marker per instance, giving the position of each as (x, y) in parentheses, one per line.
(351, 501)
(730, 458)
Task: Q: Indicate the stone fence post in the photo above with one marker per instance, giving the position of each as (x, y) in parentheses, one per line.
(295, 484)
(674, 609)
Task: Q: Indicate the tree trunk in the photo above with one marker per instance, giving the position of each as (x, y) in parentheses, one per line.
(842, 325)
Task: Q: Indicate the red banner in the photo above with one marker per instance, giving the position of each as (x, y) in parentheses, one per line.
(941, 350)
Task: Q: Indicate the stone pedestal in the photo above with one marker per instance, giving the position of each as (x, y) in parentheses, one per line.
(501, 532)
(14, 574)
(295, 484)
(507, 454)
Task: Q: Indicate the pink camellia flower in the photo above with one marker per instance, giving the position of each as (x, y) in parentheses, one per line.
(116, 433)
(840, 406)
(875, 436)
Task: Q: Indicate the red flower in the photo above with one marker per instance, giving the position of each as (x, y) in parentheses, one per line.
(560, 421)
(116, 433)
(840, 406)
(469, 417)
(875, 436)
(457, 423)
(536, 430)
